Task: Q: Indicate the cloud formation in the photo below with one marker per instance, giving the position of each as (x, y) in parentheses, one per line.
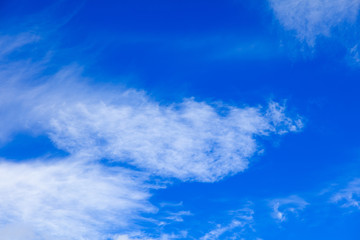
(80, 196)
(68, 200)
(349, 196)
(283, 207)
(190, 140)
(241, 223)
(9, 44)
(313, 18)
(142, 236)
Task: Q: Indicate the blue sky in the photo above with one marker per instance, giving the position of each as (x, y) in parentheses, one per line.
(160, 120)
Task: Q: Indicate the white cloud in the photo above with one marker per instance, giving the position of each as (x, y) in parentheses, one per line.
(178, 216)
(283, 207)
(349, 196)
(353, 55)
(312, 18)
(187, 141)
(242, 222)
(68, 200)
(220, 230)
(190, 140)
(142, 236)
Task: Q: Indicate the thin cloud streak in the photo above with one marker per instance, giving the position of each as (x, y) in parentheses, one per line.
(240, 224)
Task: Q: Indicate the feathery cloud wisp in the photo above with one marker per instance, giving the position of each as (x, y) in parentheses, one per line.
(242, 221)
(282, 207)
(349, 196)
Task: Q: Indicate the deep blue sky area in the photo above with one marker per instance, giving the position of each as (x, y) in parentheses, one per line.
(237, 53)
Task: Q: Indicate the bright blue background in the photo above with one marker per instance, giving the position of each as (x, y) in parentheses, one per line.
(226, 51)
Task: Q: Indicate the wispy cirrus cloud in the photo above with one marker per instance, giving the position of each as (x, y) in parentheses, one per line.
(241, 223)
(283, 207)
(348, 196)
(10, 43)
